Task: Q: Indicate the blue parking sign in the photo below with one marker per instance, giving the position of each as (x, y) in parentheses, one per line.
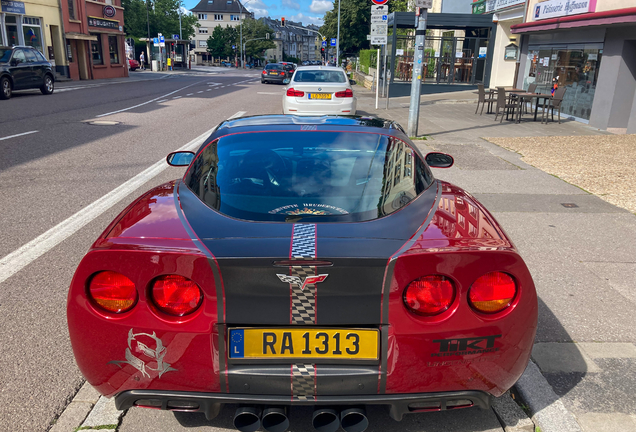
(155, 41)
(333, 42)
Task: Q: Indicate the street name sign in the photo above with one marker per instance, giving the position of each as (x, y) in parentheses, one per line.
(378, 40)
(379, 29)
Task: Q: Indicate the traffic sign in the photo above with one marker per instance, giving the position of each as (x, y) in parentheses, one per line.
(428, 4)
(324, 38)
(378, 40)
(155, 41)
(324, 43)
(175, 37)
(333, 42)
(162, 40)
(379, 2)
(379, 29)
(379, 18)
(379, 9)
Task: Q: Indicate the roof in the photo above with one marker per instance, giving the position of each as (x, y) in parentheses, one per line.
(271, 120)
(221, 6)
(318, 67)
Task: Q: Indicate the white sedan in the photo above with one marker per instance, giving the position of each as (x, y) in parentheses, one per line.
(319, 90)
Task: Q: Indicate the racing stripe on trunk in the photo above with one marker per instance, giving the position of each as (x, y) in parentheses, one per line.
(303, 305)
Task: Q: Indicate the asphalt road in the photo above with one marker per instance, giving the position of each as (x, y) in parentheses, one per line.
(62, 166)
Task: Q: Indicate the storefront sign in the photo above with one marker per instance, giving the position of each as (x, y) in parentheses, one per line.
(13, 7)
(489, 6)
(482, 52)
(511, 52)
(560, 8)
(109, 11)
(102, 23)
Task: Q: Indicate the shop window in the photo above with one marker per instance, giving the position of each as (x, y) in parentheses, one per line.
(32, 32)
(96, 51)
(113, 49)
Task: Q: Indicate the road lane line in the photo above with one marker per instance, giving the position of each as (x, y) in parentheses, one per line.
(152, 100)
(20, 258)
(189, 94)
(17, 135)
(200, 92)
(176, 97)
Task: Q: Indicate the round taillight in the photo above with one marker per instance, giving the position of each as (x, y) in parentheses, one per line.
(492, 292)
(429, 295)
(112, 291)
(176, 295)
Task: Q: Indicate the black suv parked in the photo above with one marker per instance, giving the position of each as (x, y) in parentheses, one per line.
(23, 67)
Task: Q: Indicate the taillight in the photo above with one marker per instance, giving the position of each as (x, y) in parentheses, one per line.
(264, 72)
(176, 295)
(429, 295)
(112, 291)
(343, 94)
(295, 93)
(492, 292)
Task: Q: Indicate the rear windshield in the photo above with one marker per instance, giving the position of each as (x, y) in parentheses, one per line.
(320, 76)
(273, 66)
(285, 176)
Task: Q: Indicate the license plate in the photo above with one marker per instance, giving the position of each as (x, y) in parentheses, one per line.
(303, 343)
(326, 96)
(274, 73)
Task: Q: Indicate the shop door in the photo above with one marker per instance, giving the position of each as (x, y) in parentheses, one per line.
(479, 67)
(13, 35)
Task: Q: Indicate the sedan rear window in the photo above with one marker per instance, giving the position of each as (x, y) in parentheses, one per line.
(273, 67)
(320, 76)
(281, 176)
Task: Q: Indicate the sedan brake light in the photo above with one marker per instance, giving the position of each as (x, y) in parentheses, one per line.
(429, 295)
(176, 295)
(295, 93)
(264, 72)
(344, 94)
(492, 292)
(112, 291)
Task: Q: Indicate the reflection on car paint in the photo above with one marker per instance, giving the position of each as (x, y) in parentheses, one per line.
(155, 354)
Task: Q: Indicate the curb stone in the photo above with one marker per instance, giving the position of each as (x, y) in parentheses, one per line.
(75, 412)
(103, 413)
(510, 415)
(548, 412)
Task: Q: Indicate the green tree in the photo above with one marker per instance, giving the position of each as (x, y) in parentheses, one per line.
(355, 24)
(253, 29)
(216, 42)
(161, 15)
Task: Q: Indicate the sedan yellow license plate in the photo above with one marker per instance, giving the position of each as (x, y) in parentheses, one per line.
(325, 96)
(303, 343)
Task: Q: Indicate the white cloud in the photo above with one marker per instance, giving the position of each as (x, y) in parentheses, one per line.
(258, 7)
(291, 4)
(185, 11)
(320, 6)
(306, 19)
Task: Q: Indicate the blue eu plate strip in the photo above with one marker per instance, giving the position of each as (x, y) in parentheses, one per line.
(237, 339)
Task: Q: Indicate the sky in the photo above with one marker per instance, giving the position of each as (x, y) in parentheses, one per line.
(305, 11)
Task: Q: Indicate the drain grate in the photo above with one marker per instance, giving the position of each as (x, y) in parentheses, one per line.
(569, 205)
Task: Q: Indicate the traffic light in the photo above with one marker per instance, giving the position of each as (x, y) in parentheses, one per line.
(282, 22)
(322, 50)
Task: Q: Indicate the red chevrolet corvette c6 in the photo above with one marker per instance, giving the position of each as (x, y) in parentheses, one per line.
(303, 261)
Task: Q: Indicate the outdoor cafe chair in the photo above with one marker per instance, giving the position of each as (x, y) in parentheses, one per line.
(555, 102)
(532, 88)
(503, 103)
(482, 99)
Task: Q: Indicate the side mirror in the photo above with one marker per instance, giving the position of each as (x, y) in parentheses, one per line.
(439, 160)
(352, 82)
(180, 158)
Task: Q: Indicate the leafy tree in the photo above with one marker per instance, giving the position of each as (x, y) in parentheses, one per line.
(253, 29)
(161, 15)
(216, 42)
(355, 24)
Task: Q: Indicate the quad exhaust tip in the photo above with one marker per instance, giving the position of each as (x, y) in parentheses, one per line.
(354, 420)
(275, 420)
(325, 420)
(247, 419)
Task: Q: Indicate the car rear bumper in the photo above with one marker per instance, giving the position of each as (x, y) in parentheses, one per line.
(209, 403)
(273, 78)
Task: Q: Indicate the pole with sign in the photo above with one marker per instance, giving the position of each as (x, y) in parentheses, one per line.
(416, 80)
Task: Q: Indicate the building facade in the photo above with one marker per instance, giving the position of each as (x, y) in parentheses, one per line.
(588, 47)
(36, 23)
(212, 13)
(95, 45)
(293, 40)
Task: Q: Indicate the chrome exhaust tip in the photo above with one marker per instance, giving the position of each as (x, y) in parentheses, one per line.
(354, 420)
(275, 420)
(247, 419)
(325, 420)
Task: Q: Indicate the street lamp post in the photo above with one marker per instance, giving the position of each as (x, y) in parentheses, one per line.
(338, 36)
(241, 8)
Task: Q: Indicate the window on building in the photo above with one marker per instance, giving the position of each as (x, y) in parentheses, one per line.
(203, 16)
(113, 50)
(203, 44)
(203, 30)
(218, 17)
(96, 51)
(71, 10)
(235, 17)
(32, 32)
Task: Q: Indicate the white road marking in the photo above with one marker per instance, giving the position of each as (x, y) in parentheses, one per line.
(200, 92)
(189, 94)
(177, 97)
(21, 134)
(209, 90)
(237, 115)
(146, 103)
(20, 258)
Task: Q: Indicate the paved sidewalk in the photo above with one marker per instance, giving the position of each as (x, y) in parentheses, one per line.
(580, 249)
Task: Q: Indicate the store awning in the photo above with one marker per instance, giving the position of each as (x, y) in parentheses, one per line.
(80, 36)
(617, 16)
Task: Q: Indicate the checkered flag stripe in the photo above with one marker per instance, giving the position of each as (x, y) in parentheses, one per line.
(304, 241)
(303, 383)
(303, 303)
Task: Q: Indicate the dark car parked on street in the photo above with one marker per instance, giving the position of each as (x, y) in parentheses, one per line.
(24, 67)
(274, 72)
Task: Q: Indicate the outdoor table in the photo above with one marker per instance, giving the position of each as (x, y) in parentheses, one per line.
(520, 98)
(493, 92)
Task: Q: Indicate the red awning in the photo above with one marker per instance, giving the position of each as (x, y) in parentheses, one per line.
(617, 16)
